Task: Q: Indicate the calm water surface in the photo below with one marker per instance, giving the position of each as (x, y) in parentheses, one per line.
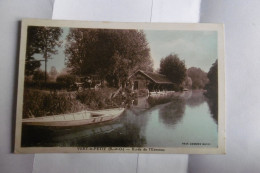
(190, 118)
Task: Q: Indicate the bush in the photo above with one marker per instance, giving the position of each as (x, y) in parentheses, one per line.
(95, 99)
(42, 103)
(199, 77)
(42, 85)
(212, 86)
(39, 75)
(101, 99)
(66, 80)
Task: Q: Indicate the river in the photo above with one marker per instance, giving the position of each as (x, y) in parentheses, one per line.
(188, 121)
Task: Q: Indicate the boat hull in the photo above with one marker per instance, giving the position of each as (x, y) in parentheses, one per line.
(75, 119)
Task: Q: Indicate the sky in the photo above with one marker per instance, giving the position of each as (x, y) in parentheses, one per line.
(58, 60)
(196, 48)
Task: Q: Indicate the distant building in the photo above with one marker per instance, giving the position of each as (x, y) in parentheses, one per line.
(142, 80)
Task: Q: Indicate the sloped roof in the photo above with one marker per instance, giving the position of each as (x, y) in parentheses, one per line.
(155, 77)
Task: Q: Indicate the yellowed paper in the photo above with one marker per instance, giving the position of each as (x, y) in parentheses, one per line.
(120, 87)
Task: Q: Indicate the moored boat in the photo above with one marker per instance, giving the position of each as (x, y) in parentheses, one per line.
(76, 119)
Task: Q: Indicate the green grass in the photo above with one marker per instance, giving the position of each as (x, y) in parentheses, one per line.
(42, 103)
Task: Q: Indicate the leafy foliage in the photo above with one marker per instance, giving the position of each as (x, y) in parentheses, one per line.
(41, 103)
(187, 83)
(212, 90)
(31, 65)
(41, 40)
(173, 68)
(42, 85)
(66, 80)
(212, 86)
(199, 77)
(99, 99)
(112, 54)
(38, 76)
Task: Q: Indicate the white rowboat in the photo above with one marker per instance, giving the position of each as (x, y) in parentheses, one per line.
(76, 119)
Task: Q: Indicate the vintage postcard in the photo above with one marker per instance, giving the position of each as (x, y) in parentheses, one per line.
(120, 87)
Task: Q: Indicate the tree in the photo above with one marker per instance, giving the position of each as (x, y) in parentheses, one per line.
(31, 48)
(111, 54)
(199, 77)
(212, 86)
(212, 90)
(38, 76)
(66, 80)
(173, 68)
(187, 83)
(41, 40)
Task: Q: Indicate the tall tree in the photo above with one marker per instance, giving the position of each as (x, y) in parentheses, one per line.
(32, 48)
(199, 77)
(111, 54)
(212, 86)
(173, 68)
(212, 90)
(41, 40)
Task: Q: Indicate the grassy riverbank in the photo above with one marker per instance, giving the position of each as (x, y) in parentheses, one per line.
(43, 103)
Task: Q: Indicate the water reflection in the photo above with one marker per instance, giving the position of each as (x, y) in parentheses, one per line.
(188, 118)
(125, 136)
(172, 113)
(196, 99)
(123, 132)
(213, 106)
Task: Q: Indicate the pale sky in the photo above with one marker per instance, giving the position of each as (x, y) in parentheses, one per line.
(57, 60)
(196, 48)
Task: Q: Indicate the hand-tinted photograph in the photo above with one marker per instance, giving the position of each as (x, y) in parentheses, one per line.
(111, 87)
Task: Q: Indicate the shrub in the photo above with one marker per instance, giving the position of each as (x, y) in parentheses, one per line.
(41, 103)
(93, 99)
(101, 99)
(39, 75)
(42, 85)
(66, 80)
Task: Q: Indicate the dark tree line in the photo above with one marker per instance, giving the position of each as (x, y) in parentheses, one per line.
(212, 85)
(212, 90)
(111, 54)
